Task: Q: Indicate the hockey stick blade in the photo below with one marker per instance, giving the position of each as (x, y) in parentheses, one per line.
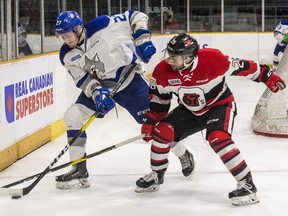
(5, 191)
(26, 190)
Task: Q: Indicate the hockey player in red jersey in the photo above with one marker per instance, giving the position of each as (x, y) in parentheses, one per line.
(197, 77)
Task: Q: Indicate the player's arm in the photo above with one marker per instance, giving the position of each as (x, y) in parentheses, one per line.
(160, 101)
(141, 35)
(256, 72)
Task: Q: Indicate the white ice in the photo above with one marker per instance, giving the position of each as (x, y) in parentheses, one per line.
(113, 174)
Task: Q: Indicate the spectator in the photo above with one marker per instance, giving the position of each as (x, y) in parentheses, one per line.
(171, 24)
(24, 19)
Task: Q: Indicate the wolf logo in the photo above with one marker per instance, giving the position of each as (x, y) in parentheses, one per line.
(95, 66)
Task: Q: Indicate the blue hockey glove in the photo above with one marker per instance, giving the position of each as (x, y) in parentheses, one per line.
(104, 103)
(144, 47)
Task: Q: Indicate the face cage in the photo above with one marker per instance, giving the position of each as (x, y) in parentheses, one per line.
(172, 58)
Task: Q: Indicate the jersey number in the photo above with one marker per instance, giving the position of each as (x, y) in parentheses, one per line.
(120, 18)
(237, 62)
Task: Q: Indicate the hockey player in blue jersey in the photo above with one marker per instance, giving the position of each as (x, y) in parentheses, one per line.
(281, 35)
(97, 55)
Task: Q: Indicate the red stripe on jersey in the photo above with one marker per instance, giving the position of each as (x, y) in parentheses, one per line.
(238, 166)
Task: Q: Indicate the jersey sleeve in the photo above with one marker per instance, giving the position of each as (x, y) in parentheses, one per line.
(137, 20)
(248, 68)
(235, 66)
(160, 96)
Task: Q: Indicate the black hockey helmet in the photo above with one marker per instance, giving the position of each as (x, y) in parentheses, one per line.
(183, 44)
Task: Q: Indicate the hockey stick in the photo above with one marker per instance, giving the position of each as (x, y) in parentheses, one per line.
(94, 154)
(16, 193)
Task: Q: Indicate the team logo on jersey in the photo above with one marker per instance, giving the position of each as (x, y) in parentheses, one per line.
(95, 66)
(191, 99)
(174, 81)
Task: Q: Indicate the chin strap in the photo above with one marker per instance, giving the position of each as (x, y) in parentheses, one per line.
(79, 37)
(185, 66)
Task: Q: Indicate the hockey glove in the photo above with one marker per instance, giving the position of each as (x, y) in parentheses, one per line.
(275, 83)
(149, 122)
(271, 79)
(144, 47)
(285, 38)
(104, 103)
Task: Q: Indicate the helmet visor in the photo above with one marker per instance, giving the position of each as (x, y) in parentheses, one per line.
(70, 38)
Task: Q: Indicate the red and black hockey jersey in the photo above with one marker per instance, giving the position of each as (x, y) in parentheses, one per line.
(202, 87)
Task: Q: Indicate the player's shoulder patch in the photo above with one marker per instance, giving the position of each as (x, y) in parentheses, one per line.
(96, 24)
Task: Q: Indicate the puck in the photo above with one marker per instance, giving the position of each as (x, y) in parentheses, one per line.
(16, 196)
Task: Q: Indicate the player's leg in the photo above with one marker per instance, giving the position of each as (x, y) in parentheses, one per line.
(135, 99)
(219, 129)
(278, 53)
(185, 157)
(179, 124)
(75, 117)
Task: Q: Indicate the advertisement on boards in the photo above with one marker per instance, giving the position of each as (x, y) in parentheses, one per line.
(27, 98)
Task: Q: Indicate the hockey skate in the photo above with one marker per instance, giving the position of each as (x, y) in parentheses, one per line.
(245, 193)
(187, 163)
(150, 182)
(76, 177)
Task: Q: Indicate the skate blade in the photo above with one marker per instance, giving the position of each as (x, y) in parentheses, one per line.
(245, 200)
(152, 188)
(79, 183)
